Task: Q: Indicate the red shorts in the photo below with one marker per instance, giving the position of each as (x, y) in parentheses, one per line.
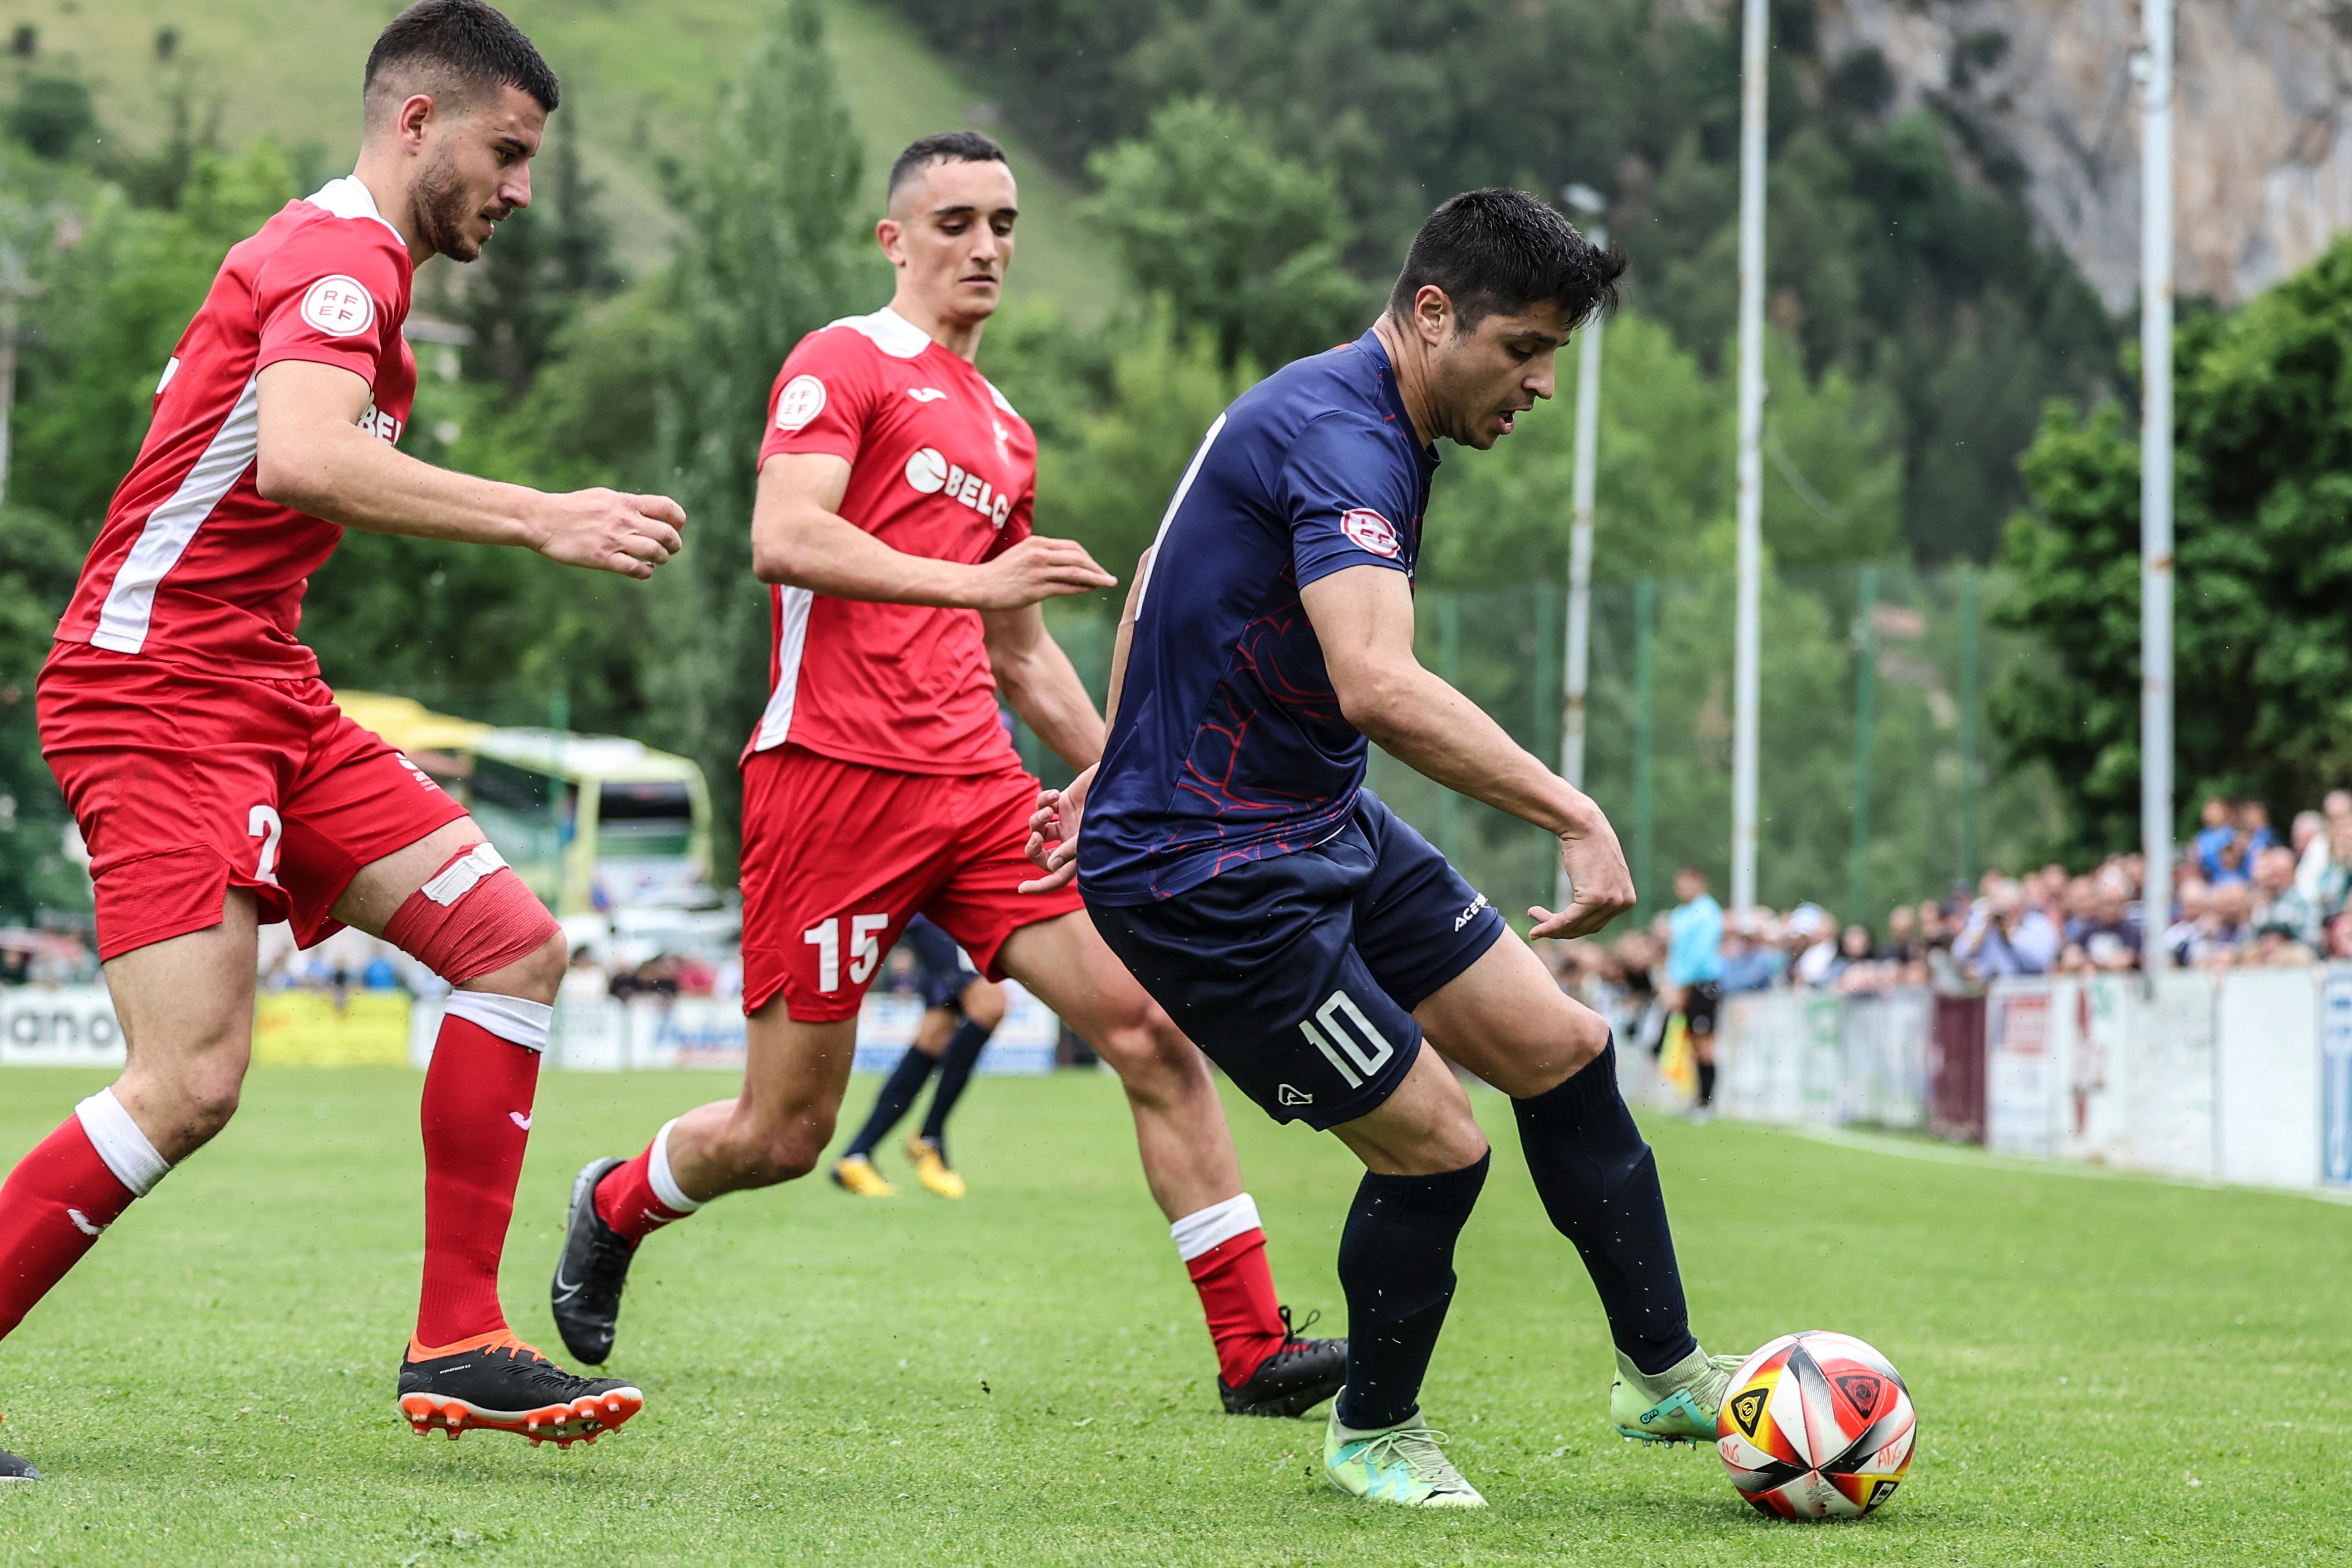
(838, 857)
(186, 785)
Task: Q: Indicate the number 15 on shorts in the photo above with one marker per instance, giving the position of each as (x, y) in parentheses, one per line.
(865, 948)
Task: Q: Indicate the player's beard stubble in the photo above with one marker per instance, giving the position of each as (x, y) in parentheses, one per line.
(441, 206)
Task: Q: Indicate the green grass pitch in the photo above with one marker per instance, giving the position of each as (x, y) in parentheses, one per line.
(2106, 1371)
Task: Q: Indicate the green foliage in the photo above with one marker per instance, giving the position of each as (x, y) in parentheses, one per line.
(1662, 504)
(1108, 486)
(2262, 619)
(120, 297)
(1886, 261)
(53, 116)
(771, 252)
(547, 261)
(1243, 242)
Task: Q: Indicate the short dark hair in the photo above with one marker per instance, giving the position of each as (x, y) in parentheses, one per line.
(1499, 249)
(947, 147)
(470, 45)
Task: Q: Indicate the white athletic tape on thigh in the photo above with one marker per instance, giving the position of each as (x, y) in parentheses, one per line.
(456, 879)
(120, 1144)
(510, 1018)
(657, 1173)
(1203, 1229)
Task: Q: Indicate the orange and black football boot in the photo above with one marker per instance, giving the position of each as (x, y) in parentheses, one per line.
(498, 1384)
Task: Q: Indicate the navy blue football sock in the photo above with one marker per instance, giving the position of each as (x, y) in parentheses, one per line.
(898, 1097)
(1599, 1182)
(955, 1070)
(1396, 1265)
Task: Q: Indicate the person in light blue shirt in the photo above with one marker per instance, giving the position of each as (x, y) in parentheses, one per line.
(1694, 973)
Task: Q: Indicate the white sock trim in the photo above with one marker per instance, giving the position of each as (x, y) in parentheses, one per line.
(120, 1144)
(1214, 1226)
(510, 1018)
(657, 1172)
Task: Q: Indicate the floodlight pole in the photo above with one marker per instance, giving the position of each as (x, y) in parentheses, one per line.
(2153, 66)
(1579, 542)
(1746, 684)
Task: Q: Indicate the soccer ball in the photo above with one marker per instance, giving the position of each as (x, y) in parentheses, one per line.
(1816, 1425)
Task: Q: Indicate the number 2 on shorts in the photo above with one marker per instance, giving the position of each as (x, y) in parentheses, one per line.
(865, 950)
(262, 823)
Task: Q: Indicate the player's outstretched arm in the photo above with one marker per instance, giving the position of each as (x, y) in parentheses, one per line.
(1362, 618)
(1037, 678)
(799, 538)
(314, 457)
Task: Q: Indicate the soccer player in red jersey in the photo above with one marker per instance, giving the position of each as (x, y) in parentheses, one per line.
(205, 763)
(893, 519)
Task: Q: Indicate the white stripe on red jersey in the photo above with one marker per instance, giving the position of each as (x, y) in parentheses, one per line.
(193, 563)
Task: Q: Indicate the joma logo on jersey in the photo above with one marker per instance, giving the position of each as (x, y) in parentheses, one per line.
(932, 474)
(381, 426)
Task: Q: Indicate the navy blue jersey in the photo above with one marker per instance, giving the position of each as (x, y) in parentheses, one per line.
(1229, 745)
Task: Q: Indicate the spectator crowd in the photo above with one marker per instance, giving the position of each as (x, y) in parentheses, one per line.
(2241, 896)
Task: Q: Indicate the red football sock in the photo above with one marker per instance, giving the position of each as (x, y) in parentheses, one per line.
(56, 1201)
(629, 1198)
(477, 1117)
(1236, 1289)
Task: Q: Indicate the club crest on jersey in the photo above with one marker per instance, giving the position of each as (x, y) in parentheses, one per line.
(1369, 530)
(801, 400)
(931, 474)
(339, 306)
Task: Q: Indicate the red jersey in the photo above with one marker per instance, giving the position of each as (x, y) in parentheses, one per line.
(193, 565)
(940, 466)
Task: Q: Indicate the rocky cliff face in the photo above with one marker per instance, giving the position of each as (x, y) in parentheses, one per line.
(2262, 123)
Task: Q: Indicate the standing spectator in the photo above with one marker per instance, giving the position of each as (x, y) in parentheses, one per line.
(2279, 907)
(2007, 936)
(1810, 938)
(1694, 973)
(1903, 941)
(2225, 929)
(2111, 939)
(2311, 866)
(1750, 963)
(2217, 825)
(2193, 904)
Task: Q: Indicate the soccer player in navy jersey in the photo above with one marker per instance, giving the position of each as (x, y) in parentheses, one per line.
(1315, 945)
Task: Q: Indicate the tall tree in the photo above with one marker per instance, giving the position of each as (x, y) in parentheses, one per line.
(2263, 626)
(1243, 242)
(770, 253)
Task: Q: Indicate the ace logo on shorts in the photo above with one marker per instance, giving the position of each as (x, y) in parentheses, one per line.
(1369, 530)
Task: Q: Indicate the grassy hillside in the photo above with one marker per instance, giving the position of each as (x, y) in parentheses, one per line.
(638, 76)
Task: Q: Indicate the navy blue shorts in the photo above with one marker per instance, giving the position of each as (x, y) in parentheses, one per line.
(941, 973)
(1298, 974)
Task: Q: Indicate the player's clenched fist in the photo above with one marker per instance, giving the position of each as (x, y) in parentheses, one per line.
(1037, 569)
(1052, 845)
(611, 531)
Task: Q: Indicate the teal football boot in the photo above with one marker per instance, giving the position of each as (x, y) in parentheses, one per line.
(1678, 1404)
(1400, 1464)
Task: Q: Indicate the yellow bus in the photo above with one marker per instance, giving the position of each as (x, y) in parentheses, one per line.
(593, 824)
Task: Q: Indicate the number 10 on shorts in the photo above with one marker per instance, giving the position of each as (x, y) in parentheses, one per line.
(865, 948)
(1361, 1044)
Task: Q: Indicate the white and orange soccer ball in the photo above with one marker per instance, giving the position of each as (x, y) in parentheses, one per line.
(1816, 1425)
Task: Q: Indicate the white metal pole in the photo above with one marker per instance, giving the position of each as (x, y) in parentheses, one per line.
(2154, 67)
(1579, 544)
(1747, 685)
